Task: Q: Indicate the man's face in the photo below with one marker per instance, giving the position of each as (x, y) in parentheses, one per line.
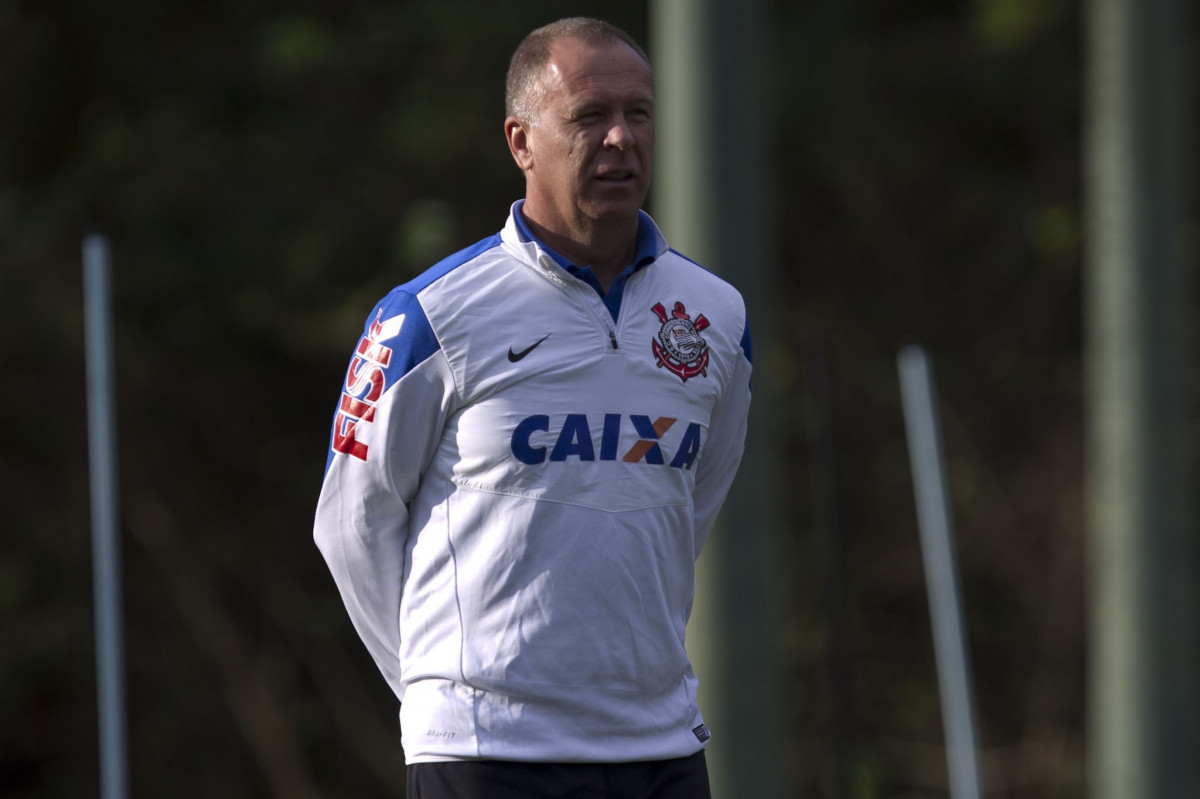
(588, 153)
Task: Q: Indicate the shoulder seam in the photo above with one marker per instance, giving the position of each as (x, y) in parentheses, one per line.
(702, 268)
(447, 265)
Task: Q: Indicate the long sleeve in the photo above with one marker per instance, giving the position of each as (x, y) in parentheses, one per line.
(397, 395)
(726, 441)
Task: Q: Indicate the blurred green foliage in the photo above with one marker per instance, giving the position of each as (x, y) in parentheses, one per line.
(267, 170)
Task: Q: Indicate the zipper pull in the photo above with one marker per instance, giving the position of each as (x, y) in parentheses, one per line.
(613, 338)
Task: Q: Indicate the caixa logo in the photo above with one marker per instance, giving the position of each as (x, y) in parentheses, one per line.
(576, 439)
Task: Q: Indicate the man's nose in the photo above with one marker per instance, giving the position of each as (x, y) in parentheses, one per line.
(620, 134)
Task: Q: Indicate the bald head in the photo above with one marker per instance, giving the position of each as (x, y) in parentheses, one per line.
(526, 83)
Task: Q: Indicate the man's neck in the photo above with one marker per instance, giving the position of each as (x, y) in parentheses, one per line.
(606, 249)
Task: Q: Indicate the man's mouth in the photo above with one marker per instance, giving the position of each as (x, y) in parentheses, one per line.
(615, 175)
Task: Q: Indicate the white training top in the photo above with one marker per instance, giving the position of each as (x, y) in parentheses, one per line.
(520, 478)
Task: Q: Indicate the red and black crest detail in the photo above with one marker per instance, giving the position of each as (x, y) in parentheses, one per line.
(679, 346)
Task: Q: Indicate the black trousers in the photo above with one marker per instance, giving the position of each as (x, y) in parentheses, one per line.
(680, 778)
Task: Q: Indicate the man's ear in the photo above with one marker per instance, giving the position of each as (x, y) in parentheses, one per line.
(517, 133)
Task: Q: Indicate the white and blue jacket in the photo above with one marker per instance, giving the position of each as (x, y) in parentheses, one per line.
(520, 477)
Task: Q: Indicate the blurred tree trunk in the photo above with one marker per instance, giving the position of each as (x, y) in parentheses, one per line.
(1143, 623)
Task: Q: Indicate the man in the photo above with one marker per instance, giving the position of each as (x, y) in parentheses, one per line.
(531, 446)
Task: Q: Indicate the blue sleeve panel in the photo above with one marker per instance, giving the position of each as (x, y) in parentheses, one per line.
(397, 338)
(413, 343)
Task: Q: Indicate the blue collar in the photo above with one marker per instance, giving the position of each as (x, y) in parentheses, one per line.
(644, 254)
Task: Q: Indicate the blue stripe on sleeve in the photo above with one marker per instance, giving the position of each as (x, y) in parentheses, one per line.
(397, 337)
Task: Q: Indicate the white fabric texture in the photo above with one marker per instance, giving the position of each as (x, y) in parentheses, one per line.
(516, 492)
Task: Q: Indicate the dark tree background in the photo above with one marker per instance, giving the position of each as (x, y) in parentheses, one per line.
(266, 170)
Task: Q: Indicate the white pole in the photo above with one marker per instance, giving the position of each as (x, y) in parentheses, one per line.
(937, 548)
(106, 556)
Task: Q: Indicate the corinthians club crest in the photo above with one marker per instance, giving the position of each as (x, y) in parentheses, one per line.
(679, 347)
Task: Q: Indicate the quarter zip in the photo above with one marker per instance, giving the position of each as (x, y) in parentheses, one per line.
(583, 293)
(600, 314)
(599, 311)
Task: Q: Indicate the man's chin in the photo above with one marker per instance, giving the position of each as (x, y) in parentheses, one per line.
(615, 209)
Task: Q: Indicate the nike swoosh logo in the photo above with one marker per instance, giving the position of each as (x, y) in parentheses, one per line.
(513, 357)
